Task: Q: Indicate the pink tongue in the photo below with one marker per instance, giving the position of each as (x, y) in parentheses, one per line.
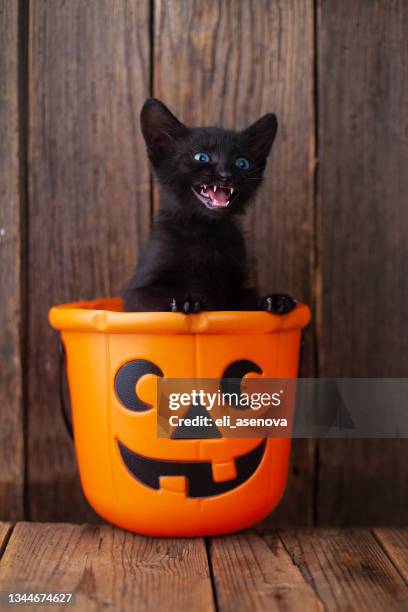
(219, 198)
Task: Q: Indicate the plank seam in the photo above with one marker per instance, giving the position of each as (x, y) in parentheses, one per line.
(152, 17)
(308, 578)
(207, 542)
(316, 294)
(23, 112)
(387, 554)
(316, 272)
(6, 539)
(151, 48)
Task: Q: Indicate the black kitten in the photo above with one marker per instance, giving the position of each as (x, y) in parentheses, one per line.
(195, 258)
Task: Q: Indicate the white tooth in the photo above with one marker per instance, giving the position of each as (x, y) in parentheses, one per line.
(231, 190)
(215, 188)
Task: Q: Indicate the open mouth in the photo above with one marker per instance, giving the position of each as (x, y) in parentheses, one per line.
(198, 474)
(214, 196)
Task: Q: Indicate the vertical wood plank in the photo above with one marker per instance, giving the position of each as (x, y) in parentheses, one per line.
(11, 414)
(395, 543)
(5, 531)
(363, 247)
(107, 568)
(348, 569)
(252, 575)
(89, 192)
(227, 63)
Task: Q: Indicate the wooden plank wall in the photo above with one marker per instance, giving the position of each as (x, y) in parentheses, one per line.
(76, 204)
(363, 242)
(11, 196)
(89, 199)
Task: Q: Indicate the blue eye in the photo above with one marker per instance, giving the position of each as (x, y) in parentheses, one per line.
(242, 163)
(204, 158)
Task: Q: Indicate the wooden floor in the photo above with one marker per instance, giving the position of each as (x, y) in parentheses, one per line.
(307, 569)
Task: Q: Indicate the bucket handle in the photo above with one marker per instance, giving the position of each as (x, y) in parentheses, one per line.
(65, 411)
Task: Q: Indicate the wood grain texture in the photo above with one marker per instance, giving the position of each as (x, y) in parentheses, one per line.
(348, 569)
(227, 63)
(89, 192)
(5, 531)
(363, 247)
(250, 575)
(11, 414)
(395, 543)
(107, 568)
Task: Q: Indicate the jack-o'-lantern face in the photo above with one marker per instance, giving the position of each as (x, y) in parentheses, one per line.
(198, 475)
(191, 485)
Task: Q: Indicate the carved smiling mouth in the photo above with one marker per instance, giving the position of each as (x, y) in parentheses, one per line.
(214, 196)
(198, 474)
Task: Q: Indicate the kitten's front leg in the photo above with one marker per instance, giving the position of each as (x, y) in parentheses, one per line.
(275, 303)
(160, 299)
(278, 303)
(187, 305)
(148, 299)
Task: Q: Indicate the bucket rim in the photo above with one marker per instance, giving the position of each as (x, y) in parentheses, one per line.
(105, 315)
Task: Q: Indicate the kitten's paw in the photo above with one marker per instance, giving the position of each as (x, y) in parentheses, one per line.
(278, 303)
(191, 306)
(186, 306)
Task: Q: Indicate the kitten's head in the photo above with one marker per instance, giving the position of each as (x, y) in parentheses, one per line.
(210, 170)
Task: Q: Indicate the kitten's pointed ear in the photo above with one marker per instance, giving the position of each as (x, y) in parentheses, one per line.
(160, 129)
(261, 134)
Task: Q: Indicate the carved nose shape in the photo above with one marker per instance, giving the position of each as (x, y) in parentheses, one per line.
(193, 432)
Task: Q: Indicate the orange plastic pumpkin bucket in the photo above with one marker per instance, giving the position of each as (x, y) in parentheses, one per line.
(244, 478)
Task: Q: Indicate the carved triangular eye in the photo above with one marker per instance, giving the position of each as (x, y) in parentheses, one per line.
(126, 380)
(232, 377)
